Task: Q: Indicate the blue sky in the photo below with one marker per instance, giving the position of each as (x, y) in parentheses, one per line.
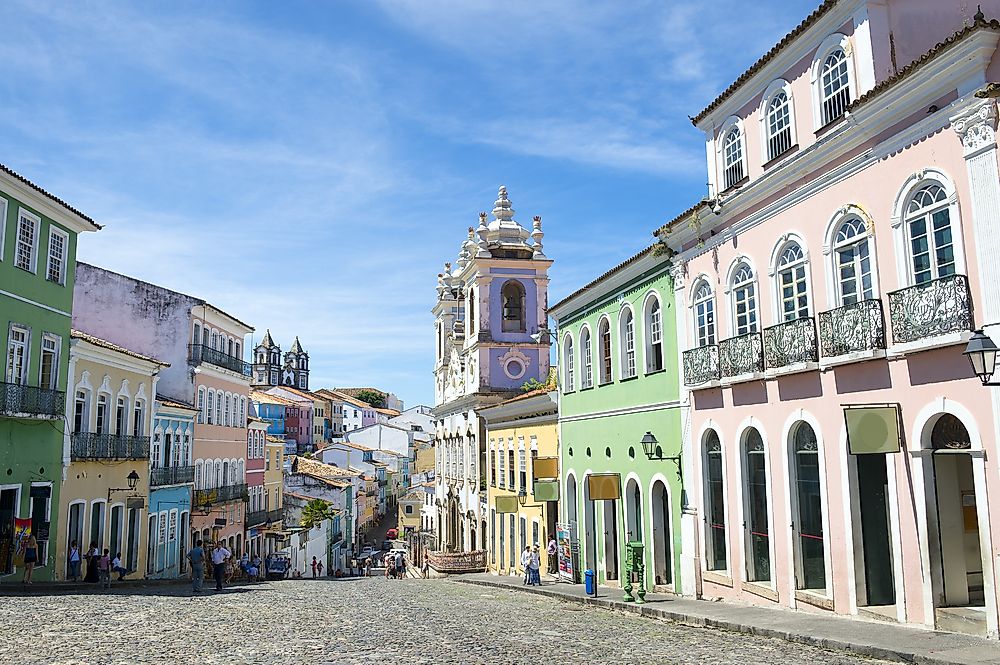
(310, 166)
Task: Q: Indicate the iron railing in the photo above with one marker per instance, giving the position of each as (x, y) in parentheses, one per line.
(90, 445)
(856, 327)
(938, 307)
(740, 355)
(701, 365)
(790, 343)
(17, 399)
(171, 475)
(224, 494)
(256, 518)
(202, 353)
(275, 515)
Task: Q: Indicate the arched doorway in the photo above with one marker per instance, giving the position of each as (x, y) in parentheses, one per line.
(662, 553)
(958, 541)
(757, 522)
(589, 528)
(633, 511)
(808, 538)
(610, 539)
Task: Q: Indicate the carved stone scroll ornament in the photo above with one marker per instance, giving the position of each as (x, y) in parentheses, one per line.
(977, 127)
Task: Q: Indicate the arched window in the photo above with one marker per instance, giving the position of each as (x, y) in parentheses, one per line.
(587, 378)
(201, 405)
(568, 364)
(653, 334)
(199, 483)
(744, 300)
(604, 350)
(139, 417)
(229, 346)
(704, 314)
(835, 90)
(793, 283)
(854, 268)
(715, 504)
(154, 450)
(928, 226)
(210, 416)
(81, 411)
(471, 311)
(225, 412)
(224, 474)
(215, 340)
(949, 433)
(512, 296)
(218, 408)
(732, 156)
(196, 338)
(810, 562)
(626, 334)
(779, 125)
(758, 559)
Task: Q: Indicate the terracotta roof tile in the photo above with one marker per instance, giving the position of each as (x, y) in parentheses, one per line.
(173, 404)
(52, 197)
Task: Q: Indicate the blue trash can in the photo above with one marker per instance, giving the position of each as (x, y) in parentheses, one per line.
(589, 582)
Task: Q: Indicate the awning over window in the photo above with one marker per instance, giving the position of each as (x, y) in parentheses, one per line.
(872, 430)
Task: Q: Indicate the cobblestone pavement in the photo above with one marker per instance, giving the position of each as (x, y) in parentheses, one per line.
(371, 621)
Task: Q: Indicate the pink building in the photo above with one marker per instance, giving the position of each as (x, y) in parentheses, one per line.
(825, 292)
(257, 504)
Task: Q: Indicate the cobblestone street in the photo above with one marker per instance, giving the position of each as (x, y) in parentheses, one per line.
(360, 621)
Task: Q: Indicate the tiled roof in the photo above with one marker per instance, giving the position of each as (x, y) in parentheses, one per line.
(336, 395)
(103, 343)
(274, 439)
(48, 195)
(681, 216)
(389, 412)
(349, 444)
(304, 394)
(603, 277)
(817, 13)
(173, 404)
(319, 469)
(268, 398)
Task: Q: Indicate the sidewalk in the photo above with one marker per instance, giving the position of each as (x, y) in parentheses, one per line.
(858, 636)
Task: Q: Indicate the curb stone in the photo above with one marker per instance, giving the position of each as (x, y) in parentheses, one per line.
(855, 648)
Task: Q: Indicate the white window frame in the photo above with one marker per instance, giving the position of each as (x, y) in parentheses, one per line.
(587, 358)
(57, 341)
(828, 46)
(775, 268)
(710, 338)
(55, 232)
(900, 222)
(569, 380)
(627, 347)
(731, 125)
(777, 86)
(36, 232)
(649, 332)
(3, 225)
(26, 357)
(601, 379)
(732, 291)
(830, 250)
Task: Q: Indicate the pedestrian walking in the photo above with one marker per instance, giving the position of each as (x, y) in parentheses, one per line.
(552, 550)
(74, 561)
(197, 558)
(400, 565)
(30, 557)
(390, 566)
(116, 567)
(104, 569)
(314, 567)
(534, 563)
(368, 567)
(319, 569)
(219, 557)
(525, 560)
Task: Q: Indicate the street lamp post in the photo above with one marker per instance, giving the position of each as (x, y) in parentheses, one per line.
(653, 450)
(133, 482)
(982, 355)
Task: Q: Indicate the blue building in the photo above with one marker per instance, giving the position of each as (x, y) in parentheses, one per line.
(272, 409)
(171, 479)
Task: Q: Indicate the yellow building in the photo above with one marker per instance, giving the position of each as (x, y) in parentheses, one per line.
(423, 459)
(274, 462)
(521, 459)
(408, 518)
(104, 497)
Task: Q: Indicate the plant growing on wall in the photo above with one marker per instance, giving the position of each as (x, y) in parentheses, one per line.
(315, 512)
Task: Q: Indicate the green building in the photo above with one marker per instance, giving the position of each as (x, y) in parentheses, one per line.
(619, 380)
(37, 264)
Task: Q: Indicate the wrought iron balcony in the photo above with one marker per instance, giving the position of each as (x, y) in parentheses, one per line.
(275, 515)
(17, 400)
(256, 518)
(933, 308)
(90, 445)
(383, 483)
(701, 365)
(851, 328)
(741, 355)
(224, 494)
(171, 475)
(791, 343)
(206, 354)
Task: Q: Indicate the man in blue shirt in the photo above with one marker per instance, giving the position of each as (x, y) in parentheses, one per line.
(197, 558)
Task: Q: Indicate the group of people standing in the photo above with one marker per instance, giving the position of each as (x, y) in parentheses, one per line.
(531, 562)
(100, 565)
(197, 557)
(395, 565)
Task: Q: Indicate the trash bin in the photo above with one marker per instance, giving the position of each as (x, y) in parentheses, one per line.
(589, 582)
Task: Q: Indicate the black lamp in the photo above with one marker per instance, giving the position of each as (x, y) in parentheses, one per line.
(982, 355)
(133, 480)
(651, 446)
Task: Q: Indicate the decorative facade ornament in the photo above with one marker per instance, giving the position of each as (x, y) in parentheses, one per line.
(678, 272)
(976, 126)
(536, 238)
(514, 364)
(483, 232)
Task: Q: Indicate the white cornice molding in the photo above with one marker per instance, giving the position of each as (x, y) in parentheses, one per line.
(608, 287)
(933, 82)
(43, 204)
(81, 349)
